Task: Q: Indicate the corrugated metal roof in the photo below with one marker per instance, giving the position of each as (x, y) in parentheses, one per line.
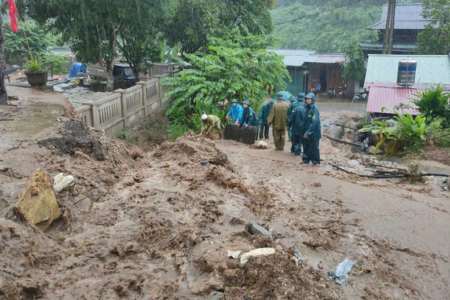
(407, 16)
(431, 69)
(293, 58)
(325, 58)
(389, 97)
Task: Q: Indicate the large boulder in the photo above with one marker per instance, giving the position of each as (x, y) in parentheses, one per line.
(36, 203)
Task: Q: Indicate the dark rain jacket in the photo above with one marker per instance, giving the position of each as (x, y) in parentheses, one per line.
(312, 123)
(297, 120)
(291, 109)
(265, 111)
(249, 117)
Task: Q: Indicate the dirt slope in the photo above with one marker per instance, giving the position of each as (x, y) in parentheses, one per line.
(158, 226)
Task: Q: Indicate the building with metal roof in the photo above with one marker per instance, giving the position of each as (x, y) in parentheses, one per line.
(408, 23)
(382, 73)
(307, 68)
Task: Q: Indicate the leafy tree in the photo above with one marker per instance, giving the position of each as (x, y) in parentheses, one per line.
(435, 38)
(92, 28)
(56, 64)
(196, 20)
(15, 45)
(354, 66)
(240, 68)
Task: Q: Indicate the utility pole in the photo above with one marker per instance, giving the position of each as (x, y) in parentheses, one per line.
(389, 29)
(391, 32)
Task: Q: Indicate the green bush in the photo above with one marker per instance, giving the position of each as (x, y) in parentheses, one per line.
(34, 66)
(240, 68)
(177, 130)
(432, 104)
(441, 138)
(404, 136)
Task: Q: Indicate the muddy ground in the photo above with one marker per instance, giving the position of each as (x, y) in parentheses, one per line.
(157, 223)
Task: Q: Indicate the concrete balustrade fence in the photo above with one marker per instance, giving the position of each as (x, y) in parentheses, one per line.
(124, 108)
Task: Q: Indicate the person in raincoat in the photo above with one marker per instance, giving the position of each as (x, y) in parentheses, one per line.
(291, 100)
(294, 104)
(209, 123)
(263, 116)
(249, 117)
(235, 112)
(311, 152)
(277, 119)
(296, 121)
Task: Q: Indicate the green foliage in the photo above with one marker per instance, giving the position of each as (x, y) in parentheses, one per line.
(433, 103)
(325, 25)
(435, 40)
(441, 138)
(123, 135)
(34, 66)
(15, 45)
(97, 29)
(354, 67)
(197, 20)
(404, 136)
(177, 130)
(240, 68)
(134, 139)
(57, 64)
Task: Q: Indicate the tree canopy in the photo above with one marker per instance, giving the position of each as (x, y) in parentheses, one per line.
(97, 29)
(435, 40)
(238, 68)
(196, 20)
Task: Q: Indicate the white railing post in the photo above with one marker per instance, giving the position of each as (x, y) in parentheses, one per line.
(124, 107)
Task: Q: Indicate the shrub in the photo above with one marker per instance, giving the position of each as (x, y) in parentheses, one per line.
(404, 136)
(433, 103)
(34, 66)
(441, 138)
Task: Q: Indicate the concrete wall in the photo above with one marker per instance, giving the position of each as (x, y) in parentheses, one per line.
(124, 108)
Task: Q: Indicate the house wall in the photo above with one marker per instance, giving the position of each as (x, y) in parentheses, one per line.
(331, 77)
(296, 86)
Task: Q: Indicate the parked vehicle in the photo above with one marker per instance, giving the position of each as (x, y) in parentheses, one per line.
(332, 93)
(359, 97)
(343, 93)
(122, 72)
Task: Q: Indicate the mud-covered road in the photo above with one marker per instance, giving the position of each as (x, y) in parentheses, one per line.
(158, 224)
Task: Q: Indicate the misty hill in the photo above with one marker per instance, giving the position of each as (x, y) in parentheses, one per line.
(325, 25)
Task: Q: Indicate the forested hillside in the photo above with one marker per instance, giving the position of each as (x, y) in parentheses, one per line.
(326, 25)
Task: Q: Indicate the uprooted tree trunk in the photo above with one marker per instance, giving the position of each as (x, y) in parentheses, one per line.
(3, 95)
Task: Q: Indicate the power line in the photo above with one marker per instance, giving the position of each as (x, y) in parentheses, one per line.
(319, 13)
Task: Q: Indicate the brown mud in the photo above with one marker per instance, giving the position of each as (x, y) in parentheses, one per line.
(157, 224)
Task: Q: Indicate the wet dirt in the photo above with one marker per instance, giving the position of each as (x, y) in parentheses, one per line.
(157, 224)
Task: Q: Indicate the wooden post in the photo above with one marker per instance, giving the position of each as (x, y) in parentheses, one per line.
(387, 28)
(391, 30)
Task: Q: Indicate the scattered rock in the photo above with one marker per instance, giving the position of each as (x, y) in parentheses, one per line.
(80, 154)
(207, 284)
(371, 150)
(260, 145)
(256, 253)
(256, 229)
(63, 119)
(4, 168)
(61, 182)
(234, 254)
(36, 203)
(316, 184)
(138, 177)
(216, 296)
(353, 163)
(128, 181)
